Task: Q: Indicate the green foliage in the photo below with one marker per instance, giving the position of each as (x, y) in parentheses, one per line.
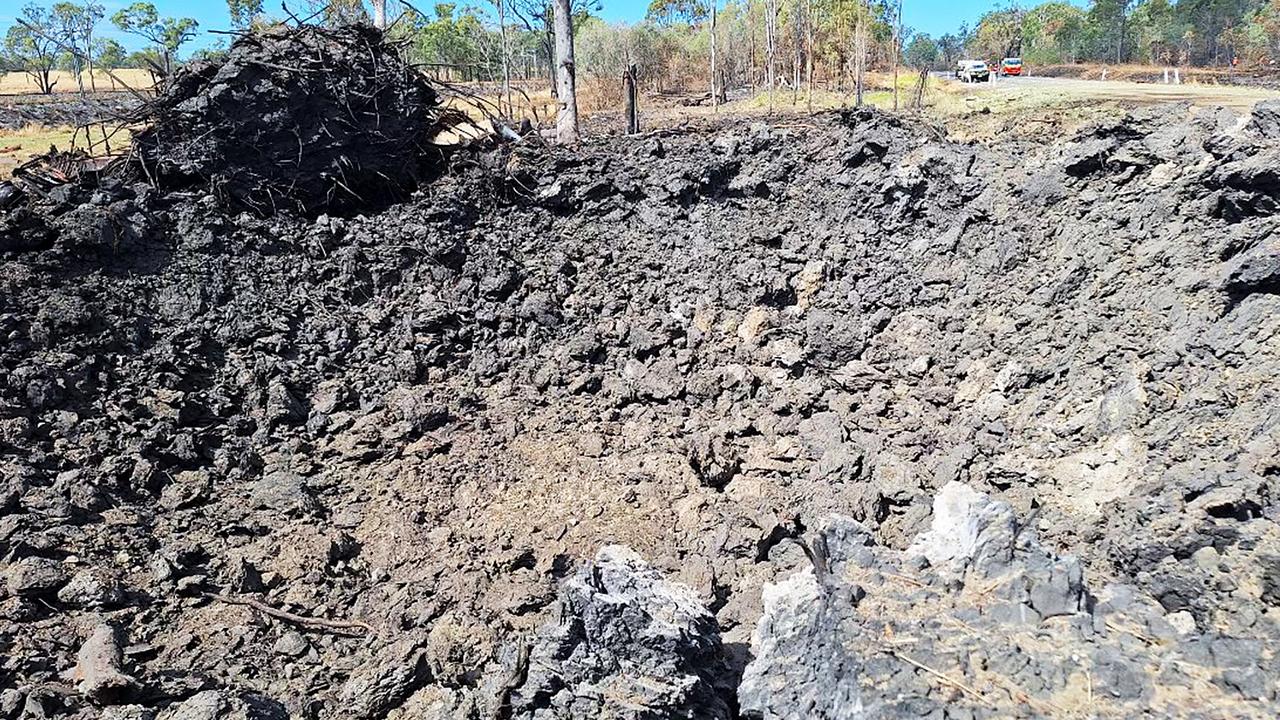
(951, 47)
(668, 12)
(1156, 32)
(214, 54)
(29, 45)
(344, 12)
(452, 38)
(110, 54)
(1255, 40)
(148, 59)
(244, 12)
(1168, 32)
(606, 50)
(922, 52)
(167, 34)
(1052, 33)
(73, 25)
(998, 35)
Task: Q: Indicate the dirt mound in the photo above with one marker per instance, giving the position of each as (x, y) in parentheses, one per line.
(402, 433)
(21, 111)
(297, 118)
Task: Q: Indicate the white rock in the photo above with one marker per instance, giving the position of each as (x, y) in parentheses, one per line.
(968, 529)
(1182, 621)
(801, 670)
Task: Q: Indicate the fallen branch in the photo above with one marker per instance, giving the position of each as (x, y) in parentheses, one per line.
(1130, 631)
(291, 617)
(940, 675)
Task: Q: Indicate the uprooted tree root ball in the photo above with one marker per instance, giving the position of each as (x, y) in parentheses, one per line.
(832, 420)
(297, 119)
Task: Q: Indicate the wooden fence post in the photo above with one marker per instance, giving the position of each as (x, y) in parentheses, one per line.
(631, 94)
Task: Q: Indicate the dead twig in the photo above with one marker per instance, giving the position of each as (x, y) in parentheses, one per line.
(941, 676)
(906, 579)
(291, 617)
(514, 680)
(1130, 631)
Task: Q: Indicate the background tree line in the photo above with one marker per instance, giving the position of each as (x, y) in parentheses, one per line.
(1162, 32)
(771, 43)
(783, 43)
(64, 36)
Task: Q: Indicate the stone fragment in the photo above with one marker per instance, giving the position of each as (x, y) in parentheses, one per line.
(968, 530)
(801, 668)
(1057, 590)
(98, 672)
(1265, 119)
(1183, 622)
(292, 644)
(189, 488)
(127, 712)
(1255, 270)
(628, 645)
(205, 705)
(382, 683)
(32, 576)
(456, 650)
(92, 589)
(283, 491)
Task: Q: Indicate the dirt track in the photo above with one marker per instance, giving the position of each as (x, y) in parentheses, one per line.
(1046, 89)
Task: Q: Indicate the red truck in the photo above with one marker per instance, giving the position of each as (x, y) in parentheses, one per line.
(1011, 66)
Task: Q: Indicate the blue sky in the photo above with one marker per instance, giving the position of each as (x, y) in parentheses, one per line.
(931, 16)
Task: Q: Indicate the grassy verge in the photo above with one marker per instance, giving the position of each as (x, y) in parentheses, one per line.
(19, 146)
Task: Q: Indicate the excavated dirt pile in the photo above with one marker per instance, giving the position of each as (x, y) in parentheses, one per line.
(297, 119)
(825, 420)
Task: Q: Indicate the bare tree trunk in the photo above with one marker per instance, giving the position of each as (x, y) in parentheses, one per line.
(920, 86)
(860, 52)
(631, 96)
(897, 51)
(770, 47)
(796, 59)
(551, 54)
(380, 14)
(809, 22)
(88, 56)
(715, 96)
(506, 55)
(795, 77)
(567, 119)
(78, 67)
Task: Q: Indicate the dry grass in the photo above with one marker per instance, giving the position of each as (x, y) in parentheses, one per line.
(534, 100)
(16, 83)
(19, 146)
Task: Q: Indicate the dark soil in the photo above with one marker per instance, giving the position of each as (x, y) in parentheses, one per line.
(19, 111)
(297, 119)
(698, 344)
